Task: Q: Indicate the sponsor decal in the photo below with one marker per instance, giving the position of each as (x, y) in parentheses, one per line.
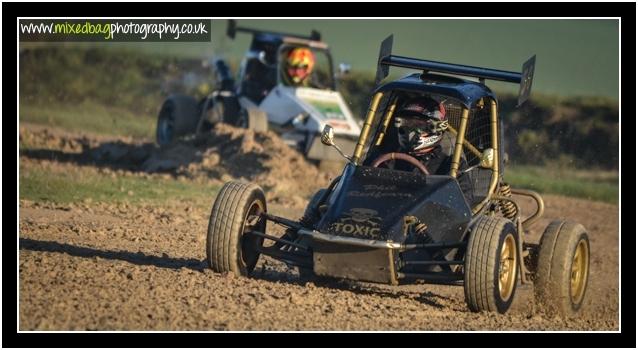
(360, 222)
(328, 106)
(380, 191)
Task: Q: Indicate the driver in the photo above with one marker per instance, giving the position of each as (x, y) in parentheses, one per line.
(299, 64)
(422, 129)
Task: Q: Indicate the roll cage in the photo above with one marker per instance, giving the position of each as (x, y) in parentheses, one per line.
(472, 113)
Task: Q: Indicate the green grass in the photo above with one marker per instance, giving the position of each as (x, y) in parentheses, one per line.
(63, 186)
(91, 117)
(41, 183)
(592, 185)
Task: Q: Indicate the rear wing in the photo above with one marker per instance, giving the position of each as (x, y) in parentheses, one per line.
(232, 29)
(524, 79)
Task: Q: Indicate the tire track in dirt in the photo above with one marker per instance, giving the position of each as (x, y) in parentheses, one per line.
(123, 267)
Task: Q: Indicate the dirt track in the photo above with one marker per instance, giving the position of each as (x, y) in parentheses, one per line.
(97, 266)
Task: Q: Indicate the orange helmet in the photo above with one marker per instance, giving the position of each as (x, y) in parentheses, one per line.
(300, 62)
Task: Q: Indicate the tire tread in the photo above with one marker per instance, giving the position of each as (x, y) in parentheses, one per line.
(225, 226)
(480, 262)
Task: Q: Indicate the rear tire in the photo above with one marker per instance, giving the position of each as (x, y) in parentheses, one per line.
(229, 248)
(491, 265)
(179, 116)
(563, 268)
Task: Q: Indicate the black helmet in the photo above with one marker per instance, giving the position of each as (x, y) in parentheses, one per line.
(420, 124)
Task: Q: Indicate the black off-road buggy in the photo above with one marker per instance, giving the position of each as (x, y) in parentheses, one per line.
(389, 226)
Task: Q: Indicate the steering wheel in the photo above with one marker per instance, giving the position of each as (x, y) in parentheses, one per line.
(400, 156)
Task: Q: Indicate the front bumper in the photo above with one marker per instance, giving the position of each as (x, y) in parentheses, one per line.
(353, 258)
(359, 259)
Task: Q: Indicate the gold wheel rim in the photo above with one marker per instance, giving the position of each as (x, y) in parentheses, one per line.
(246, 250)
(507, 268)
(579, 272)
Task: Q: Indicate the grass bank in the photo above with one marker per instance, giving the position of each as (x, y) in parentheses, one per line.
(593, 185)
(90, 117)
(119, 93)
(80, 184)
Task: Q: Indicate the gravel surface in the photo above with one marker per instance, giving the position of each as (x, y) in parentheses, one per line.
(101, 266)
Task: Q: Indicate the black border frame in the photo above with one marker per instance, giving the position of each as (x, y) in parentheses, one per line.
(626, 338)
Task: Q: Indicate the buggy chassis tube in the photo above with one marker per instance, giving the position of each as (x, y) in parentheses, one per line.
(282, 221)
(458, 147)
(277, 239)
(358, 150)
(466, 143)
(296, 259)
(540, 209)
(371, 243)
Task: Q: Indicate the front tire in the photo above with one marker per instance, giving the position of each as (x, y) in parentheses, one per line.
(563, 268)
(491, 265)
(229, 246)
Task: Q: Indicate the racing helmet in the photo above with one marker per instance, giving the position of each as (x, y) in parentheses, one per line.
(420, 124)
(299, 64)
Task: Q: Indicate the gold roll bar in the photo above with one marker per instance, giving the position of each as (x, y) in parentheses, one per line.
(358, 150)
(458, 148)
(466, 143)
(495, 166)
(540, 206)
(386, 121)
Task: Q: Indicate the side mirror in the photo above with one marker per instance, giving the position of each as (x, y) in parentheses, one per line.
(487, 159)
(328, 139)
(328, 135)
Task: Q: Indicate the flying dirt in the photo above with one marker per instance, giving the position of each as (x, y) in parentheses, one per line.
(93, 265)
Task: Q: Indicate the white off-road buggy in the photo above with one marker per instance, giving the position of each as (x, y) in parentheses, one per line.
(261, 99)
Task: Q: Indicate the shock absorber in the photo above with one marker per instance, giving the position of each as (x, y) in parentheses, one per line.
(507, 208)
